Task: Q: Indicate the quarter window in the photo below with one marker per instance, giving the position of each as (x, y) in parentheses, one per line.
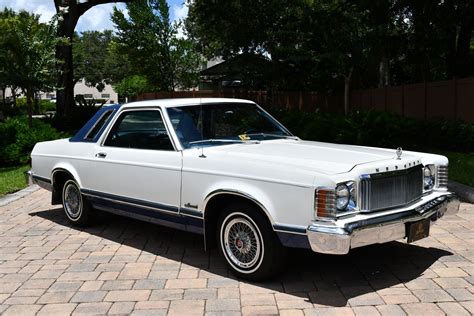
(141, 130)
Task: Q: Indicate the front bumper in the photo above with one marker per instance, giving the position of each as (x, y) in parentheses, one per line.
(375, 228)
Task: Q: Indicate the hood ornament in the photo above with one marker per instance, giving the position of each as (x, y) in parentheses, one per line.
(399, 153)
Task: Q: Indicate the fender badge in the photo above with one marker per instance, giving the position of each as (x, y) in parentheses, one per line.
(399, 153)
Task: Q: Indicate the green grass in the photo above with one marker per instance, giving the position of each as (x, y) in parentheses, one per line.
(461, 166)
(12, 179)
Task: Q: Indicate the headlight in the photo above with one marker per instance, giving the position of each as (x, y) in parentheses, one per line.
(428, 177)
(343, 195)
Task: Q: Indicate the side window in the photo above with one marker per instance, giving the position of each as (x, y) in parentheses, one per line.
(141, 130)
(98, 126)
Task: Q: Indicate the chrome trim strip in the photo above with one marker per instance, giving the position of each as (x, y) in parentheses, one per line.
(238, 193)
(300, 230)
(170, 209)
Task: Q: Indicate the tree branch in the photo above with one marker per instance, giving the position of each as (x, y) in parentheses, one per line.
(84, 6)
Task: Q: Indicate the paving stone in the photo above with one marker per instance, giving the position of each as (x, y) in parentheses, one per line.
(257, 299)
(186, 284)
(157, 295)
(21, 300)
(450, 272)
(366, 299)
(16, 310)
(57, 309)
(449, 283)
(228, 293)
(117, 285)
(365, 310)
(260, 310)
(88, 296)
(429, 309)
(422, 284)
(390, 310)
(79, 276)
(152, 305)
(329, 311)
(149, 284)
(461, 294)
(91, 285)
(65, 286)
(469, 306)
(182, 307)
(92, 308)
(38, 284)
(55, 297)
(453, 308)
(122, 308)
(223, 305)
(433, 295)
(127, 295)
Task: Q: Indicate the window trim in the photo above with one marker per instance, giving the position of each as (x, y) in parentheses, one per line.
(112, 124)
(95, 124)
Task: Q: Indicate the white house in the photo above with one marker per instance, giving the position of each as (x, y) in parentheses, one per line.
(80, 88)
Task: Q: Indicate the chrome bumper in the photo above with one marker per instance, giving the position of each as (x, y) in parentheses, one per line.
(29, 177)
(367, 229)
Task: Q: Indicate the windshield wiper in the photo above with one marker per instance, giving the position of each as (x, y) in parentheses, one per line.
(274, 135)
(217, 140)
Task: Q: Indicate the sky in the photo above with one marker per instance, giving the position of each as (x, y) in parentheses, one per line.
(96, 18)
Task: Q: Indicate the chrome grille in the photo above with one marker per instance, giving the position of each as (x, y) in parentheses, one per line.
(442, 176)
(391, 189)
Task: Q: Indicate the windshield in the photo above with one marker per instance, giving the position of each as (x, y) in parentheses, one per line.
(223, 123)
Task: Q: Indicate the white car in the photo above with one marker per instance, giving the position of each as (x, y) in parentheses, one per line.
(226, 169)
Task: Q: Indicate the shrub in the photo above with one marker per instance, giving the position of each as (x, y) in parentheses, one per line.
(17, 139)
(380, 129)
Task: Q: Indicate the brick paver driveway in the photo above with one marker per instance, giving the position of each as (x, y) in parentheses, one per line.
(125, 266)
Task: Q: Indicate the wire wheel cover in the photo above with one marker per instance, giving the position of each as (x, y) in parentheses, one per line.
(242, 242)
(72, 200)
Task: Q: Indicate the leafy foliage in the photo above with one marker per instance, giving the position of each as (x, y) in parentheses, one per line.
(380, 129)
(132, 86)
(319, 45)
(91, 52)
(17, 139)
(151, 43)
(28, 53)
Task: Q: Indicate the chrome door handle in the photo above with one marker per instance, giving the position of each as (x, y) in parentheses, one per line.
(101, 155)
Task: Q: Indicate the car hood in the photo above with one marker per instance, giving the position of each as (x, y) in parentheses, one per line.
(325, 158)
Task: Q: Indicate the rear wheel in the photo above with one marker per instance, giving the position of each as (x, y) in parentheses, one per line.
(76, 207)
(248, 243)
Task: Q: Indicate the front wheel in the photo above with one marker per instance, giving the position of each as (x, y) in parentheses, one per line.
(248, 243)
(76, 208)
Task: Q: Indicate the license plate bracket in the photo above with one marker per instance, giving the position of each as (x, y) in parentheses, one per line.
(418, 230)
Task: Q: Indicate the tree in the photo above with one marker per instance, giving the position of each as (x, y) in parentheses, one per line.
(132, 86)
(149, 40)
(30, 47)
(91, 52)
(69, 12)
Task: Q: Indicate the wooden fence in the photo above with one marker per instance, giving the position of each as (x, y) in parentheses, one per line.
(453, 99)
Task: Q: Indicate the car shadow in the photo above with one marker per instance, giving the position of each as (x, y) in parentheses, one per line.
(325, 280)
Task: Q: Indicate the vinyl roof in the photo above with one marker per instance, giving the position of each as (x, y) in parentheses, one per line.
(184, 102)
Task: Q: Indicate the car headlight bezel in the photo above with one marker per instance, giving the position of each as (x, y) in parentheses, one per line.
(343, 196)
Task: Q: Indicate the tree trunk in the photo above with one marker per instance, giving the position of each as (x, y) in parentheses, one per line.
(29, 103)
(66, 26)
(13, 90)
(4, 89)
(347, 90)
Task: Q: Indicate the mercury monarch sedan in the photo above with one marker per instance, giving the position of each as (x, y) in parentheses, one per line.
(226, 169)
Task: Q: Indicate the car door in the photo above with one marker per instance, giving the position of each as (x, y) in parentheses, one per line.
(137, 165)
